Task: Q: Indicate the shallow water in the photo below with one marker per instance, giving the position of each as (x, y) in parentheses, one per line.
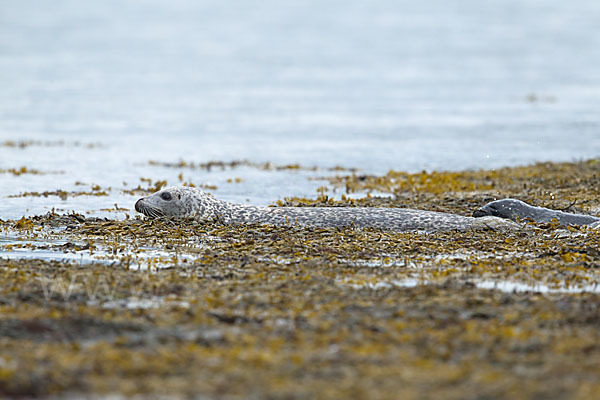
(375, 86)
(513, 286)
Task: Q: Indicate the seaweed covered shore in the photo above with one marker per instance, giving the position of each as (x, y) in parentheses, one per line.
(180, 309)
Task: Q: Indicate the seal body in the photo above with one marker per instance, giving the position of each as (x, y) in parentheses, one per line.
(186, 202)
(517, 210)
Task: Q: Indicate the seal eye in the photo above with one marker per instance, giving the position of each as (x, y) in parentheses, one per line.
(165, 196)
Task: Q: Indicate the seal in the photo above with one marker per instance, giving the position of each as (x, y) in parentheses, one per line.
(187, 202)
(517, 210)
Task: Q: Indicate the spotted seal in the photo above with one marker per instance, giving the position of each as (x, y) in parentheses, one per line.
(517, 210)
(187, 202)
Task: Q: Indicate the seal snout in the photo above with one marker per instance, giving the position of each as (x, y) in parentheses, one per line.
(506, 208)
(138, 206)
(480, 212)
(489, 210)
(148, 209)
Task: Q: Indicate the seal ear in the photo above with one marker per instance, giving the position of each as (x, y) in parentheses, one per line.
(179, 196)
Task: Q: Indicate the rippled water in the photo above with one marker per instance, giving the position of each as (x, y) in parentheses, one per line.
(372, 85)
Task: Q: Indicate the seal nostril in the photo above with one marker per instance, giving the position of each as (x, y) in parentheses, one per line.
(138, 205)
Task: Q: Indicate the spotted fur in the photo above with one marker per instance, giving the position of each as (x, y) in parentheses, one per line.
(191, 202)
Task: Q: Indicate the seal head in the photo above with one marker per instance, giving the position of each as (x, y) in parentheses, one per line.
(506, 208)
(180, 202)
(516, 210)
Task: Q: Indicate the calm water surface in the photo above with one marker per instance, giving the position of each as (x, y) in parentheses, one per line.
(373, 85)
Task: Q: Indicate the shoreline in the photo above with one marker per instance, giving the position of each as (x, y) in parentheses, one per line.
(181, 309)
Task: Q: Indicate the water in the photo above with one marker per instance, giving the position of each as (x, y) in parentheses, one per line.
(520, 290)
(374, 85)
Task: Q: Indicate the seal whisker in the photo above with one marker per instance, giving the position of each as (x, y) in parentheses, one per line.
(148, 210)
